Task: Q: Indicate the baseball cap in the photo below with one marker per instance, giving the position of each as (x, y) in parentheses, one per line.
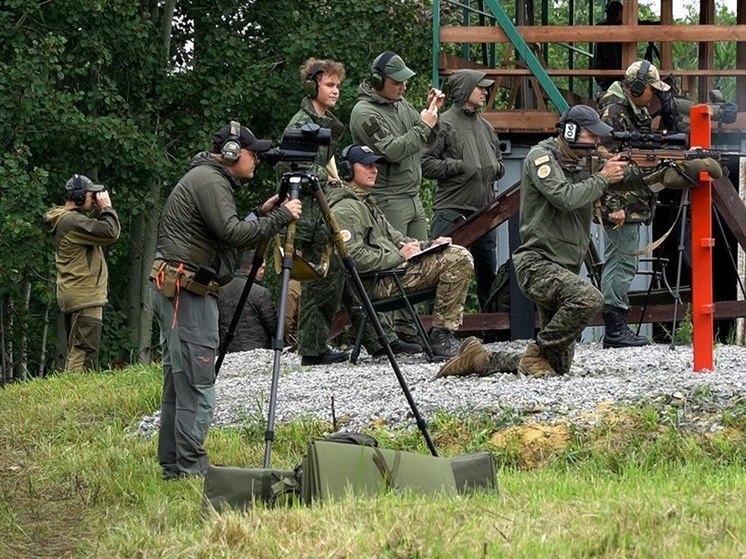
(653, 77)
(484, 82)
(361, 154)
(81, 181)
(246, 139)
(587, 118)
(394, 69)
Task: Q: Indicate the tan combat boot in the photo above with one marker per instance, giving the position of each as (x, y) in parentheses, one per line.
(471, 358)
(534, 364)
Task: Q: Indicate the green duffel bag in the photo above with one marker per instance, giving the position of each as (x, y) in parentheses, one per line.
(240, 488)
(474, 472)
(332, 470)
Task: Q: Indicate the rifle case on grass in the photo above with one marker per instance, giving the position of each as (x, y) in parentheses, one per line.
(333, 470)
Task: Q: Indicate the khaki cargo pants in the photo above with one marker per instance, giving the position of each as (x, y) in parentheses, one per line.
(83, 329)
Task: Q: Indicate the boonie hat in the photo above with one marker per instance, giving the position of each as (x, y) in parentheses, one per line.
(361, 154)
(81, 181)
(246, 138)
(394, 69)
(653, 77)
(587, 118)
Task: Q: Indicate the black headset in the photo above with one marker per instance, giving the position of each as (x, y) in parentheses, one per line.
(77, 193)
(637, 85)
(311, 85)
(377, 76)
(570, 130)
(231, 148)
(344, 169)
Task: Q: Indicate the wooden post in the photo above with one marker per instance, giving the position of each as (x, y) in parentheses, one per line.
(703, 307)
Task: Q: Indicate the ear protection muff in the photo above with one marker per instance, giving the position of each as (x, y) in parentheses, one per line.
(637, 85)
(377, 75)
(311, 85)
(77, 194)
(344, 169)
(231, 148)
(570, 131)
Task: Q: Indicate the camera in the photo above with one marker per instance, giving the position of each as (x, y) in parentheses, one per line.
(298, 145)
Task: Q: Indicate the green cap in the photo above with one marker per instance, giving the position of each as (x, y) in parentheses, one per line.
(394, 68)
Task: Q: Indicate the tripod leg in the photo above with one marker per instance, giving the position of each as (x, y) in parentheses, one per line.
(357, 284)
(278, 342)
(683, 210)
(256, 263)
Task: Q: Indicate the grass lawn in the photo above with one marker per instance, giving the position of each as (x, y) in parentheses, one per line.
(76, 480)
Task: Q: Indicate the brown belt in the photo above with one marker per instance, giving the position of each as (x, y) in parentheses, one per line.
(168, 276)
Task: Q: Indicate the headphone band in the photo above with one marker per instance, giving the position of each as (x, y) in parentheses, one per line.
(381, 64)
(313, 73)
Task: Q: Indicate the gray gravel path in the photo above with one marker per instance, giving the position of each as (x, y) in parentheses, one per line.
(369, 392)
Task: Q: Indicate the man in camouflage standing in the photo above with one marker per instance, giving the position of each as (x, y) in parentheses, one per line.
(624, 107)
(320, 298)
(374, 244)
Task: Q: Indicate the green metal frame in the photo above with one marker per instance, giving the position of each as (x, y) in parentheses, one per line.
(515, 38)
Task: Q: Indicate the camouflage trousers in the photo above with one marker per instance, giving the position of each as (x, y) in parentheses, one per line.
(449, 272)
(565, 302)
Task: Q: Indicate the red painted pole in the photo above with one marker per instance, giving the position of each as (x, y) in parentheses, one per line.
(703, 308)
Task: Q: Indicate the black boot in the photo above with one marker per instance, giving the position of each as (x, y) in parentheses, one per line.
(618, 334)
(443, 343)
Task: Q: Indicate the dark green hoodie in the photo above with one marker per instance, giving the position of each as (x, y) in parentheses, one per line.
(394, 130)
(465, 158)
(200, 226)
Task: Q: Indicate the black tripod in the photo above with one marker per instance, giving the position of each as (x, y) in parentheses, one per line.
(292, 182)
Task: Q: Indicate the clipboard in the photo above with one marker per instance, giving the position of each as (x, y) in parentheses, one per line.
(432, 249)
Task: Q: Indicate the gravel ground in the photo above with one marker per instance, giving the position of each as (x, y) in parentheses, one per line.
(369, 392)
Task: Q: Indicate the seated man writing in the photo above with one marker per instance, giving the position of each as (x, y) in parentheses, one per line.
(375, 245)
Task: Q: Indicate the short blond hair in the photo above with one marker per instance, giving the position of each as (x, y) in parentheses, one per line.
(312, 67)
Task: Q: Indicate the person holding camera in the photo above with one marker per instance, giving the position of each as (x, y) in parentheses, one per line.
(198, 233)
(82, 274)
(466, 161)
(375, 244)
(383, 120)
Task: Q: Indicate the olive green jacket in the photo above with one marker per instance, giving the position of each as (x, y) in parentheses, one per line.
(394, 130)
(371, 240)
(557, 205)
(465, 158)
(82, 274)
(200, 226)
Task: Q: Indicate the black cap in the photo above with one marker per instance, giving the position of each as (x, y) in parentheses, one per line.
(587, 118)
(361, 154)
(84, 183)
(246, 139)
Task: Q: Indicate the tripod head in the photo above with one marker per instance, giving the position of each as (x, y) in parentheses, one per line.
(292, 183)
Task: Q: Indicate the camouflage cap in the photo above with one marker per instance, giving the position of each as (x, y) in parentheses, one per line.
(84, 183)
(653, 77)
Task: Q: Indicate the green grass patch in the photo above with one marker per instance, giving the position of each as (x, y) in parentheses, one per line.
(76, 480)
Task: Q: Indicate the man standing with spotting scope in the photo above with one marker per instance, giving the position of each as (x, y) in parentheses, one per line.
(194, 256)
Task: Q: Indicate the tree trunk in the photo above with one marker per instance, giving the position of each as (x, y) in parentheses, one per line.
(21, 366)
(134, 272)
(150, 237)
(5, 375)
(44, 335)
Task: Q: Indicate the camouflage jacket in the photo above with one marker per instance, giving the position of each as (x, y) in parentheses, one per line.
(311, 232)
(618, 111)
